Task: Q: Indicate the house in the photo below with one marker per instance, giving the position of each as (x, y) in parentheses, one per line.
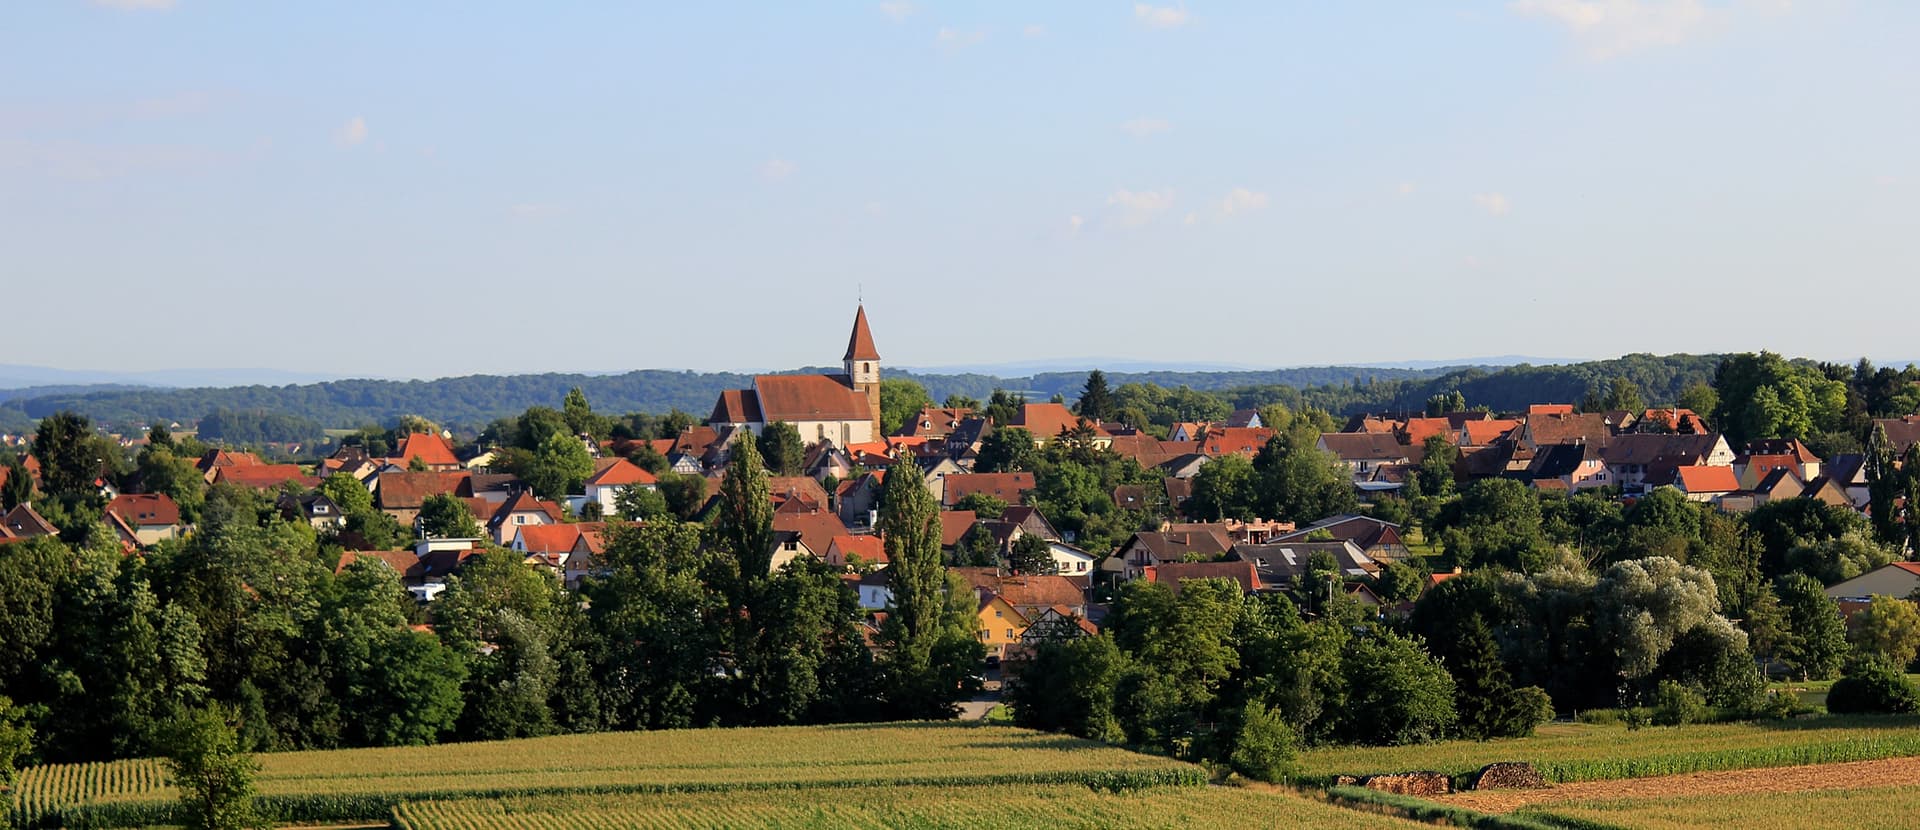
(873, 590)
(151, 517)
(1048, 421)
(843, 408)
(824, 460)
(312, 507)
(423, 570)
(1365, 453)
(23, 522)
(847, 551)
(1847, 472)
(1806, 463)
(1183, 467)
(522, 510)
(1175, 574)
(802, 492)
(1752, 469)
(1072, 562)
(1379, 540)
(1057, 624)
(1639, 460)
(858, 498)
(1677, 420)
(263, 476)
(1568, 467)
(1416, 431)
(400, 494)
(1782, 483)
(954, 525)
(1705, 484)
(808, 533)
(935, 422)
(1149, 548)
(1007, 487)
(1285, 564)
(570, 551)
(1899, 579)
(1901, 432)
(1031, 594)
(217, 458)
(1245, 442)
(427, 451)
(1484, 432)
(611, 477)
(1550, 426)
(1001, 624)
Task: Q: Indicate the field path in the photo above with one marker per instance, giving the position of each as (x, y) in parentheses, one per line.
(1729, 782)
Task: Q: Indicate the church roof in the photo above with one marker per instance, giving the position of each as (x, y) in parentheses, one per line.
(793, 398)
(860, 345)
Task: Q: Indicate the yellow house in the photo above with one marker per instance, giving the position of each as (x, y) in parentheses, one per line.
(1000, 625)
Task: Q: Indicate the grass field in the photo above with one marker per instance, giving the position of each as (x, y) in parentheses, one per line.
(1056, 806)
(1887, 807)
(1586, 752)
(1814, 692)
(367, 783)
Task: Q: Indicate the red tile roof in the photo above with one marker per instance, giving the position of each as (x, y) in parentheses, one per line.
(1173, 573)
(406, 491)
(1700, 479)
(1550, 409)
(1244, 441)
(614, 472)
(558, 538)
(1418, 430)
(795, 398)
(1482, 433)
(402, 561)
(817, 530)
(264, 476)
(432, 450)
(1045, 420)
(860, 345)
(145, 509)
(869, 548)
(1007, 487)
(954, 524)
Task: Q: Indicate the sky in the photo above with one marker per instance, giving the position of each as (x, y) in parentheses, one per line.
(420, 189)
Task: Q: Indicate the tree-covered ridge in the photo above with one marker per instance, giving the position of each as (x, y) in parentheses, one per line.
(474, 400)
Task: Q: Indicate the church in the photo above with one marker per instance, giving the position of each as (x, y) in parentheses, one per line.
(844, 409)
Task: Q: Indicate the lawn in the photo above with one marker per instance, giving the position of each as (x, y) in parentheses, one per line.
(1814, 692)
(1585, 752)
(1049, 806)
(367, 783)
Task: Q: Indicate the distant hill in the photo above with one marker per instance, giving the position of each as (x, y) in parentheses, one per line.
(15, 377)
(474, 400)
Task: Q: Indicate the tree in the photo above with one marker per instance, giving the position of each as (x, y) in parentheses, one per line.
(781, 449)
(18, 487)
(1816, 642)
(1396, 692)
(559, 465)
(1002, 407)
(1644, 605)
(1223, 489)
(579, 415)
(447, 517)
(1069, 687)
(1096, 403)
(70, 457)
(1885, 488)
(1263, 745)
(1434, 476)
(1699, 397)
(1888, 628)
(1495, 522)
(1442, 403)
(930, 647)
(639, 504)
(1873, 686)
(745, 525)
(16, 739)
(1006, 450)
(901, 400)
(1032, 555)
(983, 505)
(214, 777)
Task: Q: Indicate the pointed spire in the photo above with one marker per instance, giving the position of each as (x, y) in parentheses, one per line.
(860, 346)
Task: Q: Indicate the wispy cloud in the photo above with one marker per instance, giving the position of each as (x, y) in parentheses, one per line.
(1033, 30)
(777, 169)
(1140, 207)
(1161, 17)
(954, 40)
(897, 10)
(1609, 28)
(136, 5)
(1143, 127)
(1495, 204)
(1075, 222)
(351, 133)
(1407, 188)
(1242, 200)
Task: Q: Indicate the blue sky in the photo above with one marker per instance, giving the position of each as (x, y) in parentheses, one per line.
(433, 188)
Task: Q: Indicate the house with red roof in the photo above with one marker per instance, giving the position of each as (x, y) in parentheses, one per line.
(1007, 487)
(1048, 420)
(264, 476)
(845, 551)
(522, 510)
(611, 477)
(433, 451)
(804, 534)
(843, 408)
(150, 517)
(1705, 484)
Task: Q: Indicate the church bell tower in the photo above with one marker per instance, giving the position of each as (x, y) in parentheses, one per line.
(863, 366)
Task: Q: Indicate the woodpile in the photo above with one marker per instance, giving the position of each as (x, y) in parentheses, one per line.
(1421, 784)
(1345, 780)
(1511, 775)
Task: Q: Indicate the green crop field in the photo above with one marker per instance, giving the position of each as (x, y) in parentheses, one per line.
(1588, 752)
(368, 783)
(1055, 806)
(1868, 808)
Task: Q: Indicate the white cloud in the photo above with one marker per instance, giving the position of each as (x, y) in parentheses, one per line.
(954, 40)
(1139, 208)
(1075, 222)
(1160, 17)
(136, 5)
(1495, 204)
(776, 169)
(1192, 219)
(1241, 200)
(1143, 127)
(897, 10)
(1608, 28)
(1033, 30)
(1407, 188)
(351, 133)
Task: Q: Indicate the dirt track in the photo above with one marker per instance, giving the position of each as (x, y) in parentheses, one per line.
(1731, 782)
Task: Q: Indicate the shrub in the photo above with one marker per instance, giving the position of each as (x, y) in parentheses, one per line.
(1264, 748)
(1873, 686)
(1677, 705)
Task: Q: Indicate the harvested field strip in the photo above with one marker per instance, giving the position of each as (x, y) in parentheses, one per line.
(1802, 779)
(1861, 808)
(907, 807)
(1566, 752)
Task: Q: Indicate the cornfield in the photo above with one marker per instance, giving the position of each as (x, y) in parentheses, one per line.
(1870, 807)
(898, 807)
(368, 783)
(1590, 752)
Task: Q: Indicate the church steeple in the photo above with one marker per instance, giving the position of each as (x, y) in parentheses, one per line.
(863, 365)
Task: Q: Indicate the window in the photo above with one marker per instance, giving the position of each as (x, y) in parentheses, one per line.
(998, 613)
(1009, 633)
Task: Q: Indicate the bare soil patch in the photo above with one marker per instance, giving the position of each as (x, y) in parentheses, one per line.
(1729, 782)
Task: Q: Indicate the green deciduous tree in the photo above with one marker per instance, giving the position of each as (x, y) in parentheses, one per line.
(900, 401)
(18, 488)
(1816, 642)
(1032, 555)
(214, 777)
(781, 449)
(446, 516)
(1888, 628)
(1006, 450)
(1223, 489)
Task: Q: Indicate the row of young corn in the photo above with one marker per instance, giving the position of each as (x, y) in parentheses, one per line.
(329, 807)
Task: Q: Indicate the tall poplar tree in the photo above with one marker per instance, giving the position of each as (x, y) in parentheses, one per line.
(746, 512)
(929, 632)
